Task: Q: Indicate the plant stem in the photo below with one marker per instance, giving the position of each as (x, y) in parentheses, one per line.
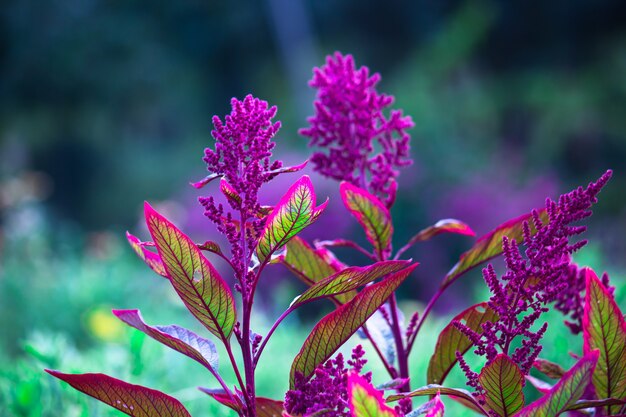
(269, 334)
(403, 357)
(422, 318)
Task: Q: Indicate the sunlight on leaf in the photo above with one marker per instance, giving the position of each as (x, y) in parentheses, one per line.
(503, 382)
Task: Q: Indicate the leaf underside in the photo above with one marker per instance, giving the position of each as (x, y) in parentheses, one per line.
(452, 340)
(205, 294)
(134, 400)
(604, 328)
(335, 328)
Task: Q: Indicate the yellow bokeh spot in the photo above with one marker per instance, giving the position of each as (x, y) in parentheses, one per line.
(103, 324)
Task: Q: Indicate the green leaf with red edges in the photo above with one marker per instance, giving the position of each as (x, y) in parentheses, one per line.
(364, 400)
(442, 226)
(266, 407)
(130, 399)
(451, 340)
(304, 261)
(604, 328)
(434, 389)
(295, 211)
(231, 194)
(151, 259)
(372, 214)
(437, 408)
(335, 328)
(196, 281)
(219, 395)
(490, 245)
(503, 382)
(583, 404)
(549, 369)
(346, 280)
(178, 338)
(567, 392)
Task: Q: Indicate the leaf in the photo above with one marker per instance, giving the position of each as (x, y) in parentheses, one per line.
(337, 327)
(304, 261)
(583, 404)
(372, 214)
(434, 389)
(223, 398)
(364, 400)
(392, 384)
(382, 334)
(180, 339)
(452, 340)
(442, 226)
(604, 328)
(230, 193)
(549, 369)
(437, 407)
(503, 382)
(205, 180)
(133, 400)
(150, 258)
(295, 211)
(346, 280)
(564, 394)
(212, 247)
(541, 386)
(490, 245)
(266, 407)
(283, 170)
(196, 281)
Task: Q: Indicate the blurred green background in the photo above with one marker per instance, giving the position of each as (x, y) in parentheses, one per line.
(105, 104)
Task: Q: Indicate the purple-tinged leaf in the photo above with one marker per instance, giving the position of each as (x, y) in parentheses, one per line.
(437, 407)
(549, 369)
(305, 262)
(335, 328)
(196, 281)
(373, 216)
(364, 400)
(379, 331)
(266, 407)
(205, 180)
(393, 384)
(283, 170)
(490, 245)
(451, 340)
(180, 339)
(604, 328)
(503, 382)
(151, 259)
(584, 404)
(134, 400)
(347, 280)
(230, 193)
(212, 247)
(224, 398)
(434, 389)
(442, 226)
(541, 386)
(568, 390)
(295, 211)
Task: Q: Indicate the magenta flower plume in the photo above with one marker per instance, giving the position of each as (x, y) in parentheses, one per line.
(243, 147)
(543, 276)
(360, 144)
(328, 389)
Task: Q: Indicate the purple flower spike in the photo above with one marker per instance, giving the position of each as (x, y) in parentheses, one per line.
(361, 145)
(539, 276)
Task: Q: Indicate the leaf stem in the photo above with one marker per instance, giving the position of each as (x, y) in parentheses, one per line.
(402, 355)
(269, 334)
(422, 318)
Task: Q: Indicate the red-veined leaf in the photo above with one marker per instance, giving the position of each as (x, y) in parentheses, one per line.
(372, 214)
(134, 400)
(304, 261)
(151, 259)
(568, 390)
(178, 338)
(295, 211)
(364, 400)
(503, 382)
(434, 389)
(212, 247)
(266, 407)
(346, 280)
(335, 328)
(451, 340)
(230, 193)
(583, 404)
(490, 245)
(442, 226)
(223, 398)
(196, 281)
(541, 386)
(549, 369)
(604, 328)
(205, 180)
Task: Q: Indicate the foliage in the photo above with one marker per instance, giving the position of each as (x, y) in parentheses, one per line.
(349, 122)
